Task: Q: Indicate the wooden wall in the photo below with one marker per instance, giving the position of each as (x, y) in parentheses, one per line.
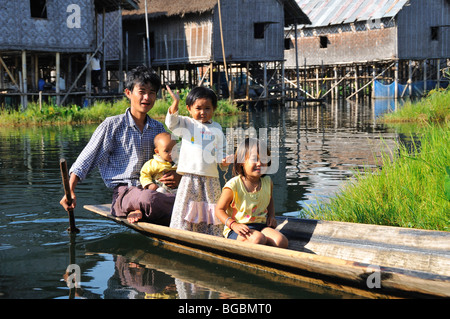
(414, 30)
(407, 36)
(178, 40)
(344, 47)
(238, 18)
(19, 31)
(187, 39)
(196, 38)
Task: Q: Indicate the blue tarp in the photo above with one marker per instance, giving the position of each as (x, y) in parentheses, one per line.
(388, 90)
(381, 106)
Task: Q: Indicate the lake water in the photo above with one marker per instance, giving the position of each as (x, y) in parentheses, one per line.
(319, 148)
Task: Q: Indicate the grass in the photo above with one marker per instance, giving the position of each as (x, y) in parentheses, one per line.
(74, 114)
(412, 189)
(435, 108)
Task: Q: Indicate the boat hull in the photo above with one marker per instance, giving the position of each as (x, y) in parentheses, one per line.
(381, 258)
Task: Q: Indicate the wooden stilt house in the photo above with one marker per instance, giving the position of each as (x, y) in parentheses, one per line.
(45, 47)
(228, 45)
(400, 45)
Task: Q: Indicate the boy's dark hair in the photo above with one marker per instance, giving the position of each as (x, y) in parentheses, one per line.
(242, 153)
(201, 92)
(142, 75)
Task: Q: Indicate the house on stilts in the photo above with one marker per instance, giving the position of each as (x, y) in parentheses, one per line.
(386, 48)
(46, 48)
(233, 46)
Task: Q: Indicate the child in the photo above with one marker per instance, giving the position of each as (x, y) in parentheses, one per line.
(246, 204)
(202, 148)
(160, 164)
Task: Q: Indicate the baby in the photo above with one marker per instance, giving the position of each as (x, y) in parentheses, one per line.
(160, 164)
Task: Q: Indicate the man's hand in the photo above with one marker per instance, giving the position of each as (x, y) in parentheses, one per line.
(171, 179)
(73, 181)
(64, 202)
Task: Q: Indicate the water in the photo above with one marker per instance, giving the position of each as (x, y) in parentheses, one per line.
(319, 148)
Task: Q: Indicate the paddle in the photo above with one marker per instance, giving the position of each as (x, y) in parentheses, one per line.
(65, 181)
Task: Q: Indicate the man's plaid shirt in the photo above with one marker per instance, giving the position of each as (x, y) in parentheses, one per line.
(118, 149)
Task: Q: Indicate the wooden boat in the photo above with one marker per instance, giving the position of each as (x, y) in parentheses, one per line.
(386, 260)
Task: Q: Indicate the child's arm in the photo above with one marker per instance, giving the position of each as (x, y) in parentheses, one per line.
(271, 221)
(152, 187)
(146, 178)
(172, 118)
(227, 160)
(224, 201)
(221, 212)
(176, 100)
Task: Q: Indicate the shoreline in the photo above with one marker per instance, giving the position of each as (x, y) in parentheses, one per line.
(51, 114)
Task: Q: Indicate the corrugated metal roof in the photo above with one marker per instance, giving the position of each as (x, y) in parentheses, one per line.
(334, 12)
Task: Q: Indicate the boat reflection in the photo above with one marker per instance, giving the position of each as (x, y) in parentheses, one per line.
(147, 268)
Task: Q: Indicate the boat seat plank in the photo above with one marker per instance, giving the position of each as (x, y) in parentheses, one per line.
(421, 250)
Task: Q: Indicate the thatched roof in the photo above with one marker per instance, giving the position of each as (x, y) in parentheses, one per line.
(158, 8)
(113, 5)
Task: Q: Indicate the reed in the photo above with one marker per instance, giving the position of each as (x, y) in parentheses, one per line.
(412, 188)
(74, 114)
(434, 108)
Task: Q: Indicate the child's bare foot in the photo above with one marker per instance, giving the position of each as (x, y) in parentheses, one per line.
(134, 216)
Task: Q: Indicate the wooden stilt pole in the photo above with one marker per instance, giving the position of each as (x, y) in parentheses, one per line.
(58, 76)
(24, 79)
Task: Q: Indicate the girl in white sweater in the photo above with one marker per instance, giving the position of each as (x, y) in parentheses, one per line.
(202, 149)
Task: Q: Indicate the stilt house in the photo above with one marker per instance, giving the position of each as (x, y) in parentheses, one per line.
(397, 41)
(189, 40)
(46, 45)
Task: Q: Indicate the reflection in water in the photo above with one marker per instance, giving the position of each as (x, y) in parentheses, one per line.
(153, 270)
(319, 147)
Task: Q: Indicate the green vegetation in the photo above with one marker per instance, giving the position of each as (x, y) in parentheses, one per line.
(74, 114)
(412, 189)
(435, 108)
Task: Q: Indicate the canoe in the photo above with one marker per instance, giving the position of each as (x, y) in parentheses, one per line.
(382, 259)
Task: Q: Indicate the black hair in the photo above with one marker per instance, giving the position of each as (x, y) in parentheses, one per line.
(243, 151)
(201, 92)
(142, 75)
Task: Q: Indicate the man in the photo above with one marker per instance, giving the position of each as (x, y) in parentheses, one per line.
(120, 146)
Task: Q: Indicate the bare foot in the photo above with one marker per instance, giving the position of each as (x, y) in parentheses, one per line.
(134, 216)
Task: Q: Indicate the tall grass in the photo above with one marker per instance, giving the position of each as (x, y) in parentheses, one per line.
(224, 107)
(412, 189)
(53, 114)
(434, 108)
(74, 114)
(408, 191)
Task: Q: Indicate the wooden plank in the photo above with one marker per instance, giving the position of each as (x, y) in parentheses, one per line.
(356, 272)
(414, 249)
(377, 234)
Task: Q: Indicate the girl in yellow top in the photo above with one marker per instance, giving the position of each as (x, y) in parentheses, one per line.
(246, 204)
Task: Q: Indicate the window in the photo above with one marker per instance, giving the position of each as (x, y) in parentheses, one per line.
(38, 9)
(323, 42)
(434, 33)
(287, 43)
(259, 30)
